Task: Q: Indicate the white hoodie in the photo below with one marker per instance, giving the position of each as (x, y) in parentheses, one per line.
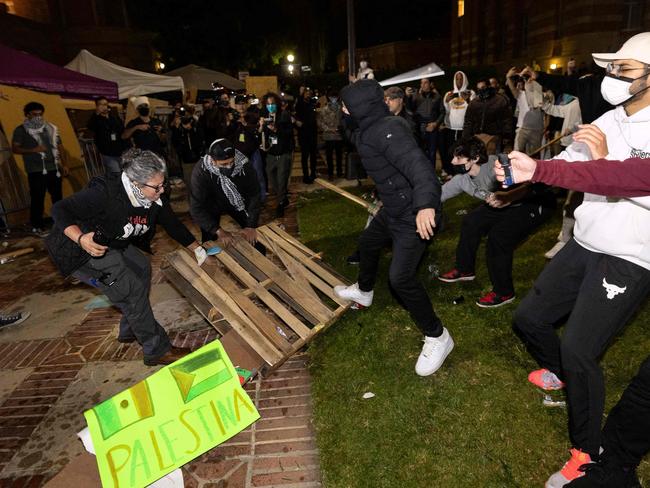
(457, 106)
(616, 226)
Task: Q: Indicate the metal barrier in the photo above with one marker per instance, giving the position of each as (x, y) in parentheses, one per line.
(91, 158)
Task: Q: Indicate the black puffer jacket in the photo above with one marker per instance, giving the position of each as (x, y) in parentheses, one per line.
(405, 179)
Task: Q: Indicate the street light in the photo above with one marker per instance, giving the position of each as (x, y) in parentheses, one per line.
(553, 66)
(290, 68)
(160, 65)
(291, 58)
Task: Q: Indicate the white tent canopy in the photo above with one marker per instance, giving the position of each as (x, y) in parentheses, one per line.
(200, 78)
(426, 71)
(130, 82)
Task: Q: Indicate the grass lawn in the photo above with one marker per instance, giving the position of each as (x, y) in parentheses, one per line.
(476, 422)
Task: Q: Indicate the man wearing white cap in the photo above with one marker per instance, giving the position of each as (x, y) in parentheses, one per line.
(603, 274)
(145, 132)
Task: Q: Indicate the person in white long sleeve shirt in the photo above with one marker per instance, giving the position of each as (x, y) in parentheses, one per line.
(601, 276)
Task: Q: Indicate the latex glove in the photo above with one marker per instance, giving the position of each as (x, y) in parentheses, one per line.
(201, 255)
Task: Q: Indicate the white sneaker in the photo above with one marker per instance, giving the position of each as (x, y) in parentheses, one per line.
(433, 354)
(352, 293)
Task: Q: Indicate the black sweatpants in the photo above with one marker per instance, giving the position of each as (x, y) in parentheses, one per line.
(505, 228)
(308, 155)
(599, 293)
(39, 184)
(408, 248)
(124, 276)
(334, 147)
(626, 437)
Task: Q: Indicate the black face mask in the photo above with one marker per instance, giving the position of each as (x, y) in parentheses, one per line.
(144, 111)
(485, 93)
(224, 103)
(460, 169)
(226, 171)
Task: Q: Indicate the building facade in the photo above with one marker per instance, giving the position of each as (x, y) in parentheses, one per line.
(505, 33)
(56, 30)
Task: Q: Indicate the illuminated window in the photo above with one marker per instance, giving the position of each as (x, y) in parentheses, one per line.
(461, 8)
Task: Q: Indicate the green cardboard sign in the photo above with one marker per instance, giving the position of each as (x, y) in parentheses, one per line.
(165, 421)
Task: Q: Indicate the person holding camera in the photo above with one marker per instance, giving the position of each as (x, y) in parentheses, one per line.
(530, 117)
(429, 110)
(307, 134)
(489, 117)
(188, 141)
(97, 237)
(145, 132)
(107, 132)
(278, 143)
(456, 102)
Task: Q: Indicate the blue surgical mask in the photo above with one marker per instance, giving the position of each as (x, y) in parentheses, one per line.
(271, 107)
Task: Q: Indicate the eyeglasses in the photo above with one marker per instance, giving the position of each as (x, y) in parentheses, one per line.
(158, 188)
(618, 70)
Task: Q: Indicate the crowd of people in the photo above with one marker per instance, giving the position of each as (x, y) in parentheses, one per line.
(240, 148)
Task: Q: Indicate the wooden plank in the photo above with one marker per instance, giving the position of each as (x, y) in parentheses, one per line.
(187, 266)
(264, 323)
(283, 281)
(260, 276)
(241, 353)
(197, 300)
(294, 269)
(314, 266)
(289, 238)
(263, 294)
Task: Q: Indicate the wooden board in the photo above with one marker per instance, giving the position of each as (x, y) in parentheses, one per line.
(273, 304)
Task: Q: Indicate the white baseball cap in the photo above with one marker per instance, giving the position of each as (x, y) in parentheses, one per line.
(636, 47)
(137, 101)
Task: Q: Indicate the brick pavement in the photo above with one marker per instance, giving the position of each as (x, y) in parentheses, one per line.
(278, 450)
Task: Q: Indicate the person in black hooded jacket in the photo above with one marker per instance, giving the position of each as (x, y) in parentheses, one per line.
(410, 192)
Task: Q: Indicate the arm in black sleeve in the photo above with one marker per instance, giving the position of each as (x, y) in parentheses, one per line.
(284, 125)
(441, 112)
(403, 152)
(174, 227)
(468, 131)
(506, 119)
(206, 217)
(559, 83)
(80, 207)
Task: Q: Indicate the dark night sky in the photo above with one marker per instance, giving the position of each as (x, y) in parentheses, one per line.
(241, 35)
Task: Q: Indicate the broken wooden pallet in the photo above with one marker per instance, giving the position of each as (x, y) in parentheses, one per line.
(265, 307)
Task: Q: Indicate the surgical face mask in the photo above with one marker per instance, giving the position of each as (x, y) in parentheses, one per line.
(144, 111)
(36, 122)
(617, 90)
(363, 65)
(333, 100)
(271, 107)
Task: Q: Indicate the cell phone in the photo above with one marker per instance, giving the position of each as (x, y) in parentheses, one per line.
(100, 237)
(504, 160)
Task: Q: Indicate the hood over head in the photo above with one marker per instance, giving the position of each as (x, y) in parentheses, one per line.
(463, 87)
(364, 100)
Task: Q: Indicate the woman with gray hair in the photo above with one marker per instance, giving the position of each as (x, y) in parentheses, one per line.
(96, 235)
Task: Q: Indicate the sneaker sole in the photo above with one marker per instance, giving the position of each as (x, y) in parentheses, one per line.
(454, 280)
(509, 300)
(17, 322)
(450, 347)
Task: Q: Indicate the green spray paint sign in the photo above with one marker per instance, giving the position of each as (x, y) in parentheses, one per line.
(165, 421)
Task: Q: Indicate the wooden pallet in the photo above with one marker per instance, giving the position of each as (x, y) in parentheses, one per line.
(265, 307)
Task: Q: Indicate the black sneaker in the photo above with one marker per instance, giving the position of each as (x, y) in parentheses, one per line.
(605, 474)
(13, 319)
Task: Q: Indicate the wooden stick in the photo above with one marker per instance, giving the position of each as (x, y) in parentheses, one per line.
(11, 255)
(553, 141)
(346, 194)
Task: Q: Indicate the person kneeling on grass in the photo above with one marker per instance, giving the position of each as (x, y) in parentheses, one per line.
(96, 232)
(410, 192)
(507, 217)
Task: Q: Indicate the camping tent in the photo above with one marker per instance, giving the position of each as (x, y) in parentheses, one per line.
(200, 78)
(18, 68)
(129, 81)
(427, 71)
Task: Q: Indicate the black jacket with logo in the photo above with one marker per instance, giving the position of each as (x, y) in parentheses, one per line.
(405, 179)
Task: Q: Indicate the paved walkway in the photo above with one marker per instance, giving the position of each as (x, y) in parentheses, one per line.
(64, 359)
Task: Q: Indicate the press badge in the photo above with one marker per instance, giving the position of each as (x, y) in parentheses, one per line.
(274, 140)
(113, 136)
(242, 138)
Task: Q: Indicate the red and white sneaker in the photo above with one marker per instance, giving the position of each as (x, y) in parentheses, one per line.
(361, 299)
(570, 471)
(545, 379)
(454, 275)
(492, 300)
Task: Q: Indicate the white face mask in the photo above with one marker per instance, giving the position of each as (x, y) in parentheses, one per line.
(615, 91)
(363, 65)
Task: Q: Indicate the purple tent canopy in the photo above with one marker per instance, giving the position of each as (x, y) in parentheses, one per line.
(21, 69)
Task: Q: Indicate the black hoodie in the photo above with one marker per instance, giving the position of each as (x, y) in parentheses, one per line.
(406, 180)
